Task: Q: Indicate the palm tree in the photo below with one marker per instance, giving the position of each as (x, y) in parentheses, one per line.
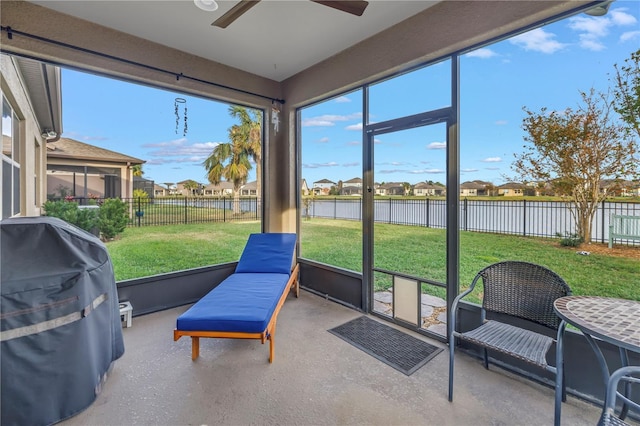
(231, 160)
(249, 134)
(191, 185)
(137, 170)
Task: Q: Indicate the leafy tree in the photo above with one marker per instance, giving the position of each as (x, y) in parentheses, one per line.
(576, 150)
(231, 160)
(627, 92)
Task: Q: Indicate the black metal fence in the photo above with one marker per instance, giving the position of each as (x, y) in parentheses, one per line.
(183, 210)
(516, 217)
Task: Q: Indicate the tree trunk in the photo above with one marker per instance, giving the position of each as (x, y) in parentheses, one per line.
(236, 203)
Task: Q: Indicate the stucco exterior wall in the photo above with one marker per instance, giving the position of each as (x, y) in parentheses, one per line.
(32, 147)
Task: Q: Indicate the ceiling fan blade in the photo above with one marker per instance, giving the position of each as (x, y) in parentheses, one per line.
(234, 13)
(354, 7)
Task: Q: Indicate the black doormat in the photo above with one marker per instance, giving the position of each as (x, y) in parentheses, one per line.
(393, 347)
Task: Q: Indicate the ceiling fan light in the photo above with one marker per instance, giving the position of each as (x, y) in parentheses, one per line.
(206, 5)
(599, 10)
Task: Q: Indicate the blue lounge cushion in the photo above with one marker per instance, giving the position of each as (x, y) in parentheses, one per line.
(268, 253)
(241, 303)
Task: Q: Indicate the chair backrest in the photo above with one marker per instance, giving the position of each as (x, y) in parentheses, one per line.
(629, 374)
(523, 290)
(268, 253)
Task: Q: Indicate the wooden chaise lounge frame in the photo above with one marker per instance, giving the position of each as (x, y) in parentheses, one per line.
(279, 262)
(267, 334)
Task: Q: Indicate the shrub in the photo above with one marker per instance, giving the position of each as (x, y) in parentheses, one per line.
(113, 217)
(69, 211)
(569, 240)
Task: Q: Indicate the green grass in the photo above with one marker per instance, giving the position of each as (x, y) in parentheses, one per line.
(413, 250)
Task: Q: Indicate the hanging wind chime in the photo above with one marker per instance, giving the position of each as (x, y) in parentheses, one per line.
(275, 117)
(177, 103)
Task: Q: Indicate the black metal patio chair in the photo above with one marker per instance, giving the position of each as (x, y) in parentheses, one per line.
(628, 375)
(517, 289)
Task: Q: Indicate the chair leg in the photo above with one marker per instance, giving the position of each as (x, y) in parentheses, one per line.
(485, 354)
(451, 351)
(195, 347)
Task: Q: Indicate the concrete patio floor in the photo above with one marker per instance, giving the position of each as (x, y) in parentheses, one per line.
(315, 379)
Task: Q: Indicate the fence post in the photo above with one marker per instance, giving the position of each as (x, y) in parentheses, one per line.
(428, 212)
(224, 209)
(335, 208)
(603, 213)
(524, 218)
(466, 214)
(185, 210)
(138, 214)
(390, 210)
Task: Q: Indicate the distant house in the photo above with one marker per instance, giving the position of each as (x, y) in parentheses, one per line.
(160, 191)
(391, 188)
(222, 189)
(180, 188)
(512, 189)
(31, 116)
(351, 190)
(356, 182)
(619, 188)
(428, 190)
(323, 186)
(304, 188)
(84, 171)
(249, 189)
(471, 189)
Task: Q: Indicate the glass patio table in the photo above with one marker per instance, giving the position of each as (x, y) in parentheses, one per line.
(616, 321)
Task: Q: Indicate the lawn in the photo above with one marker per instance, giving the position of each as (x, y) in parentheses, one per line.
(414, 250)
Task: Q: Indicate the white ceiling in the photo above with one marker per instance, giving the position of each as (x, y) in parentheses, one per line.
(304, 32)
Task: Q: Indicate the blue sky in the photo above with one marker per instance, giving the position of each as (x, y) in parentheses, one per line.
(546, 67)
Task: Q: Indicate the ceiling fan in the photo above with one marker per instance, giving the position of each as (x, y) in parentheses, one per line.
(354, 7)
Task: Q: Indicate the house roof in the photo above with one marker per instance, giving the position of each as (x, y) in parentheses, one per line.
(73, 149)
(512, 185)
(250, 185)
(324, 181)
(221, 185)
(354, 180)
(471, 185)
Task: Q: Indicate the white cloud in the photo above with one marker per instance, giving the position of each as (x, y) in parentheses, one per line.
(179, 151)
(328, 120)
(357, 126)
(354, 143)
(592, 29)
(482, 53)
(492, 168)
(629, 35)
(377, 141)
(492, 160)
(427, 171)
(319, 165)
(437, 145)
(354, 164)
(323, 140)
(538, 40)
(342, 100)
(620, 17)
(501, 122)
(468, 170)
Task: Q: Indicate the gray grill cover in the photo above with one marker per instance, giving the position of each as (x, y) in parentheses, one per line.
(60, 321)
